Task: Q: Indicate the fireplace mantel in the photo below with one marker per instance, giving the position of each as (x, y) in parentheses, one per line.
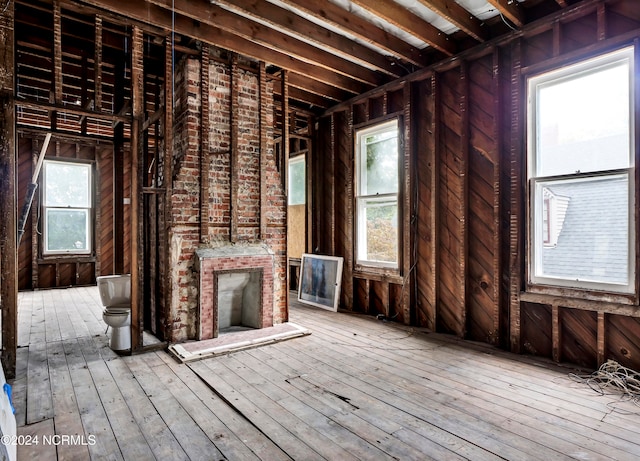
(210, 262)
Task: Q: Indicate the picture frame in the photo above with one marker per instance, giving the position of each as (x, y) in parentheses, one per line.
(320, 280)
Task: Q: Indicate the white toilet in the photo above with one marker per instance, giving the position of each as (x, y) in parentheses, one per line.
(115, 293)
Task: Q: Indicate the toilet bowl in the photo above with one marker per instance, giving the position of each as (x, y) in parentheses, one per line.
(115, 294)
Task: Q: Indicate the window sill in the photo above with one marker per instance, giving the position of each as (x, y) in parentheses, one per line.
(380, 274)
(606, 306)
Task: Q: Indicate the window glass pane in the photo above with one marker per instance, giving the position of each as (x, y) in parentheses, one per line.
(587, 229)
(297, 181)
(380, 163)
(67, 230)
(67, 185)
(583, 121)
(379, 235)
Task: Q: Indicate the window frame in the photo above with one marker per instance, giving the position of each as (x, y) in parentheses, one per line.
(89, 210)
(558, 285)
(360, 234)
(293, 161)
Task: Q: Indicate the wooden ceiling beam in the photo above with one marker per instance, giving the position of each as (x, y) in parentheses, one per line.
(510, 10)
(160, 17)
(458, 16)
(282, 18)
(409, 23)
(207, 13)
(353, 25)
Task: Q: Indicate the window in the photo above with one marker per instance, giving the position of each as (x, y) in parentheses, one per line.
(67, 208)
(377, 195)
(297, 181)
(581, 159)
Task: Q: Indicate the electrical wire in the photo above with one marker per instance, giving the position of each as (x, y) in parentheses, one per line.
(613, 378)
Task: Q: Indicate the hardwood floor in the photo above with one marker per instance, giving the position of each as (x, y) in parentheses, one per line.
(356, 388)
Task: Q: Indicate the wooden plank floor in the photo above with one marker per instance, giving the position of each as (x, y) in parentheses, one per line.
(356, 388)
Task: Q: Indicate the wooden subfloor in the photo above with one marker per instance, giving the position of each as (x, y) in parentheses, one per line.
(356, 388)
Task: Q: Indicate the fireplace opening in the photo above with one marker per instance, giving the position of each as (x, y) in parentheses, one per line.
(238, 304)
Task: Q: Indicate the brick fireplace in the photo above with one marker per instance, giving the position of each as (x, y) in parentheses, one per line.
(235, 288)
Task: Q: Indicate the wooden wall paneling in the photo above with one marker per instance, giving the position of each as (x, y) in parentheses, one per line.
(395, 100)
(482, 302)
(396, 297)
(536, 326)
(622, 344)
(578, 342)
(453, 150)
(85, 274)
(66, 274)
(320, 228)
(27, 156)
(535, 49)
(8, 199)
(359, 113)
(342, 219)
(579, 33)
(516, 209)
(47, 274)
(361, 294)
(105, 262)
(137, 88)
(377, 107)
(378, 297)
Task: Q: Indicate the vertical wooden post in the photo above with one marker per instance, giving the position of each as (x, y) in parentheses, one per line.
(434, 160)
(601, 338)
(555, 332)
(57, 61)
(167, 174)
(137, 79)
(516, 206)
(8, 197)
(284, 171)
(464, 198)
(601, 14)
(408, 205)
(204, 144)
(235, 164)
(97, 66)
(497, 191)
(262, 98)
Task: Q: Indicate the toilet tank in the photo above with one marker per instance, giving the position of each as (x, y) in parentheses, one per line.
(114, 289)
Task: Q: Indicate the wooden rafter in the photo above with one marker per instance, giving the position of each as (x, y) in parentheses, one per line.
(284, 19)
(358, 27)
(457, 15)
(510, 10)
(207, 13)
(183, 25)
(410, 23)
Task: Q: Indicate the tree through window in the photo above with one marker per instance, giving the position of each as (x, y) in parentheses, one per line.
(377, 194)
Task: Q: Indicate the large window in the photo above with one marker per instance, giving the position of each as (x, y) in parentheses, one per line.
(581, 159)
(67, 208)
(377, 195)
